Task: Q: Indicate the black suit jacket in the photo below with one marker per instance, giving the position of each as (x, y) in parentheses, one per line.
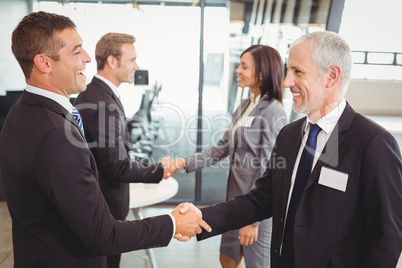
(361, 227)
(59, 215)
(106, 132)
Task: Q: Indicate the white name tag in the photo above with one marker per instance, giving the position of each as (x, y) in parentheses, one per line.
(333, 179)
(246, 121)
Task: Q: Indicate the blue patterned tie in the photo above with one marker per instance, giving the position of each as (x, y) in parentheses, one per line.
(77, 118)
(303, 173)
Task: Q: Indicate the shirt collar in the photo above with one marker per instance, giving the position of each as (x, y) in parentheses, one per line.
(328, 122)
(254, 99)
(60, 99)
(110, 84)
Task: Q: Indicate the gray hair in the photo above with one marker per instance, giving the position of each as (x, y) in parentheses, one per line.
(330, 49)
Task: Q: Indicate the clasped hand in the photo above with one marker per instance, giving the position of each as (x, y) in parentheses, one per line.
(189, 222)
(172, 166)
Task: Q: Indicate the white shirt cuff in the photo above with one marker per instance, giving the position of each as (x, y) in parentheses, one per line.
(174, 224)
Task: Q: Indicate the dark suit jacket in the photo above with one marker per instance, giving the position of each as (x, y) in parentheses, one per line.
(59, 215)
(361, 227)
(105, 130)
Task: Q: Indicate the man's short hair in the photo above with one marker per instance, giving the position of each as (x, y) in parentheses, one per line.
(35, 34)
(110, 44)
(330, 49)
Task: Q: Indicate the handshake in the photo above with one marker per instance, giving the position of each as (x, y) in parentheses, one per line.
(188, 217)
(172, 166)
(189, 222)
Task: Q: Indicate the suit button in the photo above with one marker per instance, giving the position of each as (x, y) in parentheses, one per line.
(282, 220)
(276, 252)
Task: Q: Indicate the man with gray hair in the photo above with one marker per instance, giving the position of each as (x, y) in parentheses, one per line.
(337, 203)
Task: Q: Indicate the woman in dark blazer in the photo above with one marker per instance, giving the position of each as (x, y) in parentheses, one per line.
(249, 142)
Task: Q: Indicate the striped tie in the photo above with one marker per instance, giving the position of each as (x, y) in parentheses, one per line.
(77, 118)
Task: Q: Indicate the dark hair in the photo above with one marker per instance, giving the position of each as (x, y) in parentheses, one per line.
(269, 70)
(110, 44)
(35, 34)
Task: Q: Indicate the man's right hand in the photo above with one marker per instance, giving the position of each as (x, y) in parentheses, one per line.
(189, 221)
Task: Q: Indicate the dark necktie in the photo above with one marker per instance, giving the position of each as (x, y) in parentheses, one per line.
(302, 175)
(77, 118)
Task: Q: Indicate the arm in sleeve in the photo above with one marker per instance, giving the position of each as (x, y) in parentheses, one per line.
(240, 211)
(274, 120)
(67, 178)
(210, 156)
(110, 150)
(381, 201)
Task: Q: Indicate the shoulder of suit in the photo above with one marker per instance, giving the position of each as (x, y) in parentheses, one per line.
(367, 125)
(92, 93)
(272, 106)
(42, 102)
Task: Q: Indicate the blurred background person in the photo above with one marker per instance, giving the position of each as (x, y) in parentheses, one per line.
(105, 128)
(248, 142)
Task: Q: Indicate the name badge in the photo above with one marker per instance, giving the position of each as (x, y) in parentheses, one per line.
(333, 179)
(246, 121)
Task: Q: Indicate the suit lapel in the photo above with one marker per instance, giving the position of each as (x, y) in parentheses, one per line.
(52, 105)
(70, 118)
(117, 100)
(105, 87)
(291, 155)
(234, 139)
(261, 105)
(240, 110)
(330, 153)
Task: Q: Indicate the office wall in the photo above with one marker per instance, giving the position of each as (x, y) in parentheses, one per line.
(371, 97)
(11, 76)
(367, 96)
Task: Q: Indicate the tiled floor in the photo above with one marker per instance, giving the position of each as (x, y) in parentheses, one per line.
(6, 254)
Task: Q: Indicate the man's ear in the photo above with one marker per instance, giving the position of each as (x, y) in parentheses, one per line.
(43, 63)
(111, 61)
(334, 74)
